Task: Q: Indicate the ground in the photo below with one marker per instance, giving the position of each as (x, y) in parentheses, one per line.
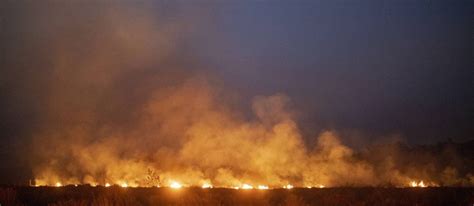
(86, 195)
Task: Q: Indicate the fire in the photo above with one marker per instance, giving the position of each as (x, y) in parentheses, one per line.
(247, 187)
(262, 187)
(175, 185)
(206, 185)
(318, 186)
(419, 184)
(288, 186)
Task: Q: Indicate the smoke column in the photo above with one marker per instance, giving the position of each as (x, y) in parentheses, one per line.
(124, 102)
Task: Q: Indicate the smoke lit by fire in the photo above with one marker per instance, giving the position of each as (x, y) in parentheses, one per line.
(174, 128)
(216, 149)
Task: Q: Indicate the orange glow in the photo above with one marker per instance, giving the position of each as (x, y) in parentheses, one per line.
(262, 187)
(247, 187)
(175, 185)
(206, 185)
(419, 184)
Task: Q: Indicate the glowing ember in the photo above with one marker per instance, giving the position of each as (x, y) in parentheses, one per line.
(247, 187)
(262, 187)
(206, 185)
(419, 184)
(175, 185)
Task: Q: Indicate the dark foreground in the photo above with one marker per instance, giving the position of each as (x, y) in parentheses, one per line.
(85, 195)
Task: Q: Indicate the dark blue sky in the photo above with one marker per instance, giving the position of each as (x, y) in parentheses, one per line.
(380, 67)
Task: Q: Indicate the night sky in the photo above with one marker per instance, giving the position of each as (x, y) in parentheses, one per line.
(372, 70)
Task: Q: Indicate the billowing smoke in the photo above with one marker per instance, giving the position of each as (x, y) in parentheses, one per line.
(126, 103)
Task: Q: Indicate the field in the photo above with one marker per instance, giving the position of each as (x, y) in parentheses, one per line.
(86, 195)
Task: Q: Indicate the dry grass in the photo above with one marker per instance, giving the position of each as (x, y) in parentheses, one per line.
(85, 195)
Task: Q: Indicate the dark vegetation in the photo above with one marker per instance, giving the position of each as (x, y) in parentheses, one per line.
(86, 195)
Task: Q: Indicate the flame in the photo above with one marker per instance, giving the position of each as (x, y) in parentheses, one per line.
(247, 187)
(288, 186)
(262, 187)
(175, 185)
(419, 184)
(206, 185)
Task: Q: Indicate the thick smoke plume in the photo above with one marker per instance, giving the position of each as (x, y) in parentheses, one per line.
(126, 103)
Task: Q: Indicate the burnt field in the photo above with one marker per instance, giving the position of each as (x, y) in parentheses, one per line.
(86, 195)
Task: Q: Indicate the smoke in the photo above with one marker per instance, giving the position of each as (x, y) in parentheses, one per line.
(187, 133)
(124, 102)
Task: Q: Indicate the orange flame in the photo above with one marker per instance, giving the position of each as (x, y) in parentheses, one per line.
(247, 187)
(262, 187)
(176, 185)
(206, 185)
